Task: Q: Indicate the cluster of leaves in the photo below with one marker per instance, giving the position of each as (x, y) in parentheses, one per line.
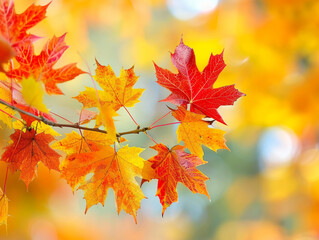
(96, 159)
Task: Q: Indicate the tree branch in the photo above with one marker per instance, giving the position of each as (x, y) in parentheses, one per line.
(76, 125)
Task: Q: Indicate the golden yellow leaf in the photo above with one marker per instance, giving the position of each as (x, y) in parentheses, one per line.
(194, 132)
(118, 91)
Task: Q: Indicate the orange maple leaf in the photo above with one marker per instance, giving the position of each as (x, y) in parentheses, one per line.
(14, 27)
(173, 166)
(41, 66)
(194, 132)
(111, 169)
(29, 148)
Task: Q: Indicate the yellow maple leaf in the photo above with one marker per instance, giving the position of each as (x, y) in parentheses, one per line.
(118, 91)
(194, 132)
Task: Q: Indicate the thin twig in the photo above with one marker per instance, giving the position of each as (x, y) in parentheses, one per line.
(136, 131)
(162, 125)
(75, 125)
(160, 118)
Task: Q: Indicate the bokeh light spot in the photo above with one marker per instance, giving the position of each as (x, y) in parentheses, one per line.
(277, 147)
(188, 9)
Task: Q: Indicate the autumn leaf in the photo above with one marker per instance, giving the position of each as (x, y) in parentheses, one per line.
(190, 86)
(29, 148)
(6, 52)
(40, 67)
(118, 91)
(111, 169)
(3, 208)
(14, 27)
(194, 132)
(173, 166)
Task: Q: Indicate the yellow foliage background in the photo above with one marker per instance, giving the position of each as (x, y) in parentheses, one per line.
(267, 187)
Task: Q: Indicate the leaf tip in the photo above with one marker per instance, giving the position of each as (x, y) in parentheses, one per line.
(97, 62)
(181, 42)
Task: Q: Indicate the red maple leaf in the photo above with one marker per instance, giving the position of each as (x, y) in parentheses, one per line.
(41, 66)
(29, 148)
(172, 166)
(13, 27)
(190, 86)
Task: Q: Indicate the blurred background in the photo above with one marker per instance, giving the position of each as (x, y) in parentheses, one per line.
(265, 188)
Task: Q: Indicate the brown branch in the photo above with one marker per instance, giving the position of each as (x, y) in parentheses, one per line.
(76, 125)
(136, 131)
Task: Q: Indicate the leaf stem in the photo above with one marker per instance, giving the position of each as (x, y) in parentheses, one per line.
(11, 116)
(160, 118)
(57, 115)
(161, 125)
(150, 137)
(130, 115)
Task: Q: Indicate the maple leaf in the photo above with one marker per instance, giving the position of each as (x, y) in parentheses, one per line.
(6, 52)
(173, 166)
(3, 208)
(194, 132)
(40, 67)
(118, 91)
(29, 148)
(111, 169)
(14, 27)
(190, 86)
